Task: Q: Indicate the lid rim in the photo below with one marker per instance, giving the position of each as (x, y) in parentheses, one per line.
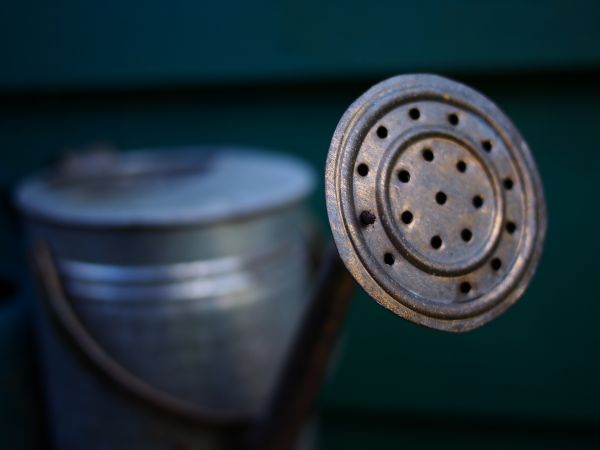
(33, 195)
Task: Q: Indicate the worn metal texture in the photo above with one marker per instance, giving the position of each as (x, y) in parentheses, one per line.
(435, 202)
(190, 273)
(305, 366)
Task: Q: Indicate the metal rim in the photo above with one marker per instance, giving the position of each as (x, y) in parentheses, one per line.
(164, 188)
(459, 284)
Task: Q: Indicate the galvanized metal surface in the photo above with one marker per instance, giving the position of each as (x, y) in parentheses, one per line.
(435, 202)
(285, 423)
(294, 395)
(201, 311)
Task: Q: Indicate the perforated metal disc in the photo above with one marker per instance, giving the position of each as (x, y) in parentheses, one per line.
(435, 202)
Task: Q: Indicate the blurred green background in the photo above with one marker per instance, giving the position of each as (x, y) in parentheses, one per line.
(279, 74)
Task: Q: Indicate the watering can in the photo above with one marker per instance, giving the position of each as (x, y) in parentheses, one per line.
(178, 307)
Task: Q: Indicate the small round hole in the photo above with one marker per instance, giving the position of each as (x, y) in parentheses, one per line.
(427, 154)
(511, 227)
(407, 217)
(404, 176)
(465, 287)
(389, 259)
(382, 132)
(414, 114)
(508, 184)
(477, 201)
(461, 166)
(496, 263)
(436, 242)
(466, 235)
(362, 170)
(441, 198)
(367, 218)
(453, 119)
(487, 145)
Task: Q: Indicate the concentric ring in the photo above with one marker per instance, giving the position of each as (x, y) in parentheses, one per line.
(449, 243)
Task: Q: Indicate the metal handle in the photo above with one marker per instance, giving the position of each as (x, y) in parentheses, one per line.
(294, 393)
(306, 363)
(95, 357)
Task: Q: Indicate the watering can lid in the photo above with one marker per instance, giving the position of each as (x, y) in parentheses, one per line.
(165, 188)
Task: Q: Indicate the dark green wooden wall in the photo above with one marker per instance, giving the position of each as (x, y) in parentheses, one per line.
(279, 75)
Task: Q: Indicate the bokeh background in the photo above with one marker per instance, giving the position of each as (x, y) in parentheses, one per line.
(279, 74)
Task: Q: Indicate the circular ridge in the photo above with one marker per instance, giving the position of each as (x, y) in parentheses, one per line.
(424, 283)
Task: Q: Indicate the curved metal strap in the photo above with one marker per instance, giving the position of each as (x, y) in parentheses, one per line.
(95, 357)
(295, 390)
(306, 363)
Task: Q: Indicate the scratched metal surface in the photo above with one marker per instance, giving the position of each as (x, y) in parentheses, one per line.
(435, 202)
